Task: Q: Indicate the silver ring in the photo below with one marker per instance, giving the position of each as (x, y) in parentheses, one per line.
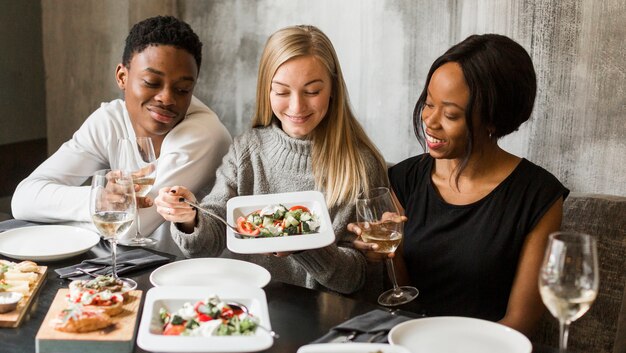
(169, 211)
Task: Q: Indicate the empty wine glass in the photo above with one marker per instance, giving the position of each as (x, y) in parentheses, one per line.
(375, 211)
(568, 280)
(138, 158)
(113, 208)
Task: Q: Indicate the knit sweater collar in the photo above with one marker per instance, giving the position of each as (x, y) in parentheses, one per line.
(283, 141)
(287, 153)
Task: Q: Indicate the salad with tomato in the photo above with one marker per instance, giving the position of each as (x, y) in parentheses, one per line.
(278, 221)
(210, 317)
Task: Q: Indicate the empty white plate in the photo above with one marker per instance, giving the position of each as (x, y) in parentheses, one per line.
(46, 243)
(449, 334)
(210, 271)
(353, 347)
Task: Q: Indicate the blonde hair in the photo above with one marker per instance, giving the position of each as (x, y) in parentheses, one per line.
(339, 167)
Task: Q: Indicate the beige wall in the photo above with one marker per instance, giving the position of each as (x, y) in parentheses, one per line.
(578, 129)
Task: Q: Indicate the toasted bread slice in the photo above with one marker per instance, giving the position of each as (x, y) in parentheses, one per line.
(27, 266)
(82, 320)
(111, 310)
(101, 283)
(110, 303)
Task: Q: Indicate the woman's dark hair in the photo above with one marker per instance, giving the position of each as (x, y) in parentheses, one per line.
(502, 86)
(165, 30)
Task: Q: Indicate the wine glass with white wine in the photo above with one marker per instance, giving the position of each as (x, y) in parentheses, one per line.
(375, 212)
(138, 158)
(113, 209)
(569, 279)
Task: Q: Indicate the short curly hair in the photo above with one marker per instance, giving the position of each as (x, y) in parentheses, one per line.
(166, 30)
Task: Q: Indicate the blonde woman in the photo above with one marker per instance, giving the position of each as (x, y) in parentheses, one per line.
(304, 137)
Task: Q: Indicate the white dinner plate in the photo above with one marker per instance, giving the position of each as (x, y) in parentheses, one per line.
(353, 347)
(448, 334)
(210, 271)
(150, 338)
(46, 243)
(244, 205)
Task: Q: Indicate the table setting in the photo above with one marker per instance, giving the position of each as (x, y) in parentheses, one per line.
(306, 320)
(168, 299)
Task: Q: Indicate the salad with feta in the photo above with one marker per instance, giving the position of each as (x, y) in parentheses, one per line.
(209, 317)
(278, 221)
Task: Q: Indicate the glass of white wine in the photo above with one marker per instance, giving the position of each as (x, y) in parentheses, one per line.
(138, 158)
(113, 208)
(375, 212)
(569, 279)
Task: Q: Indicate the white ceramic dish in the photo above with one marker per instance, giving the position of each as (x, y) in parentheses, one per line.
(351, 348)
(47, 242)
(244, 205)
(9, 301)
(210, 271)
(458, 334)
(150, 338)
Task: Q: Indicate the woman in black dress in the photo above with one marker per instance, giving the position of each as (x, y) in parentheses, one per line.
(477, 216)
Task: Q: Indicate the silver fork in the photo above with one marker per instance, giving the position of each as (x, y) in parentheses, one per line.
(376, 336)
(345, 339)
(200, 208)
(350, 337)
(244, 308)
(88, 271)
(78, 271)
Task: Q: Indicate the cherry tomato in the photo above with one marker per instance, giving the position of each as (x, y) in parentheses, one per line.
(173, 330)
(227, 312)
(247, 228)
(304, 209)
(202, 317)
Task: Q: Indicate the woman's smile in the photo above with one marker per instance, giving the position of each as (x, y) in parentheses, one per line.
(434, 143)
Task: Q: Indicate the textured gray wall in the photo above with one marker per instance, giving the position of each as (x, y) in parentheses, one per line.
(22, 91)
(578, 128)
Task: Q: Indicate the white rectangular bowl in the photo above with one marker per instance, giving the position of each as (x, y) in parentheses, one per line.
(244, 205)
(150, 338)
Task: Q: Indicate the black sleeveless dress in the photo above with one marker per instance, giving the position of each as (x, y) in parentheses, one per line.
(463, 259)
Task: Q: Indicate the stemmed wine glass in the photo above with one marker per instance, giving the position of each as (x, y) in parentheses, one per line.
(375, 212)
(113, 208)
(137, 157)
(568, 280)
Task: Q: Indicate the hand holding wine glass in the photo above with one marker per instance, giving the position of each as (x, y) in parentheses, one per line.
(113, 208)
(569, 279)
(380, 222)
(138, 158)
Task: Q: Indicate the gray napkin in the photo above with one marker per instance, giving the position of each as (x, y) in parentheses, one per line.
(127, 261)
(15, 223)
(369, 327)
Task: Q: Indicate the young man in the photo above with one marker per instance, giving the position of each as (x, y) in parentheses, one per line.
(158, 73)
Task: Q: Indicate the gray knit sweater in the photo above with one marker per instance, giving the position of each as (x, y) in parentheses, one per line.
(263, 161)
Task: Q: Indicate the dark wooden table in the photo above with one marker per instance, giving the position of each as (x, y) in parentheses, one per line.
(299, 315)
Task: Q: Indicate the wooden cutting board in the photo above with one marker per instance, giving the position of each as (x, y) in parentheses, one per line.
(118, 338)
(14, 318)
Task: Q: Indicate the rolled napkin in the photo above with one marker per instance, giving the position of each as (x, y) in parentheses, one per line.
(372, 327)
(127, 261)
